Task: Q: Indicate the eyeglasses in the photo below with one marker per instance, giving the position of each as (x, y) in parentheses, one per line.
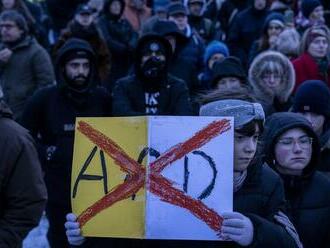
(288, 143)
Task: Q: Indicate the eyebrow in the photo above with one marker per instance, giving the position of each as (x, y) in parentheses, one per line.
(290, 137)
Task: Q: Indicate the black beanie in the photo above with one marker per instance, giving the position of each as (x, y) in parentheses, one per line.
(229, 67)
(308, 6)
(312, 96)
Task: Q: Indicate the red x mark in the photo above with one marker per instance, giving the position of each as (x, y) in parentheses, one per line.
(158, 184)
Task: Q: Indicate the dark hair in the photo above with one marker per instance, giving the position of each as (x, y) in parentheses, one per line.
(249, 129)
(243, 93)
(16, 17)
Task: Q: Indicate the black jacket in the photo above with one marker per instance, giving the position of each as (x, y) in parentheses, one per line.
(246, 27)
(129, 97)
(308, 195)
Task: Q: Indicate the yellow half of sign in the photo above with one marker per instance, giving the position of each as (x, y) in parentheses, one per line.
(92, 164)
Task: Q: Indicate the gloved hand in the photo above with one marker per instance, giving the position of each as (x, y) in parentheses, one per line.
(73, 231)
(237, 227)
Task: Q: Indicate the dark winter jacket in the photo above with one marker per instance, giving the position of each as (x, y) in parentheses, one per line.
(121, 40)
(28, 69)
(129, 97)
(246, 28)
(22, 189)
(50, 116)
(308, 195)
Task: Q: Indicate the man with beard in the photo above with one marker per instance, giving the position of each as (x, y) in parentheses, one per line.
(50, 117)
(24, 65)
(151, 90)
(83, 27)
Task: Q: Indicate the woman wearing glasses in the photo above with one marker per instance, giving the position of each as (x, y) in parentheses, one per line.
(291, 147)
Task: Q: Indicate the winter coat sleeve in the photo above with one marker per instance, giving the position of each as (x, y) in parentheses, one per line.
(267, 231)
(23, 192)
(42, 68)
(234, 39)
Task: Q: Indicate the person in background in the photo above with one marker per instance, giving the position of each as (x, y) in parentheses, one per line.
(24, 65)
(313, 63)
(313, 12)
(272, 78)
(83, 27)
(291, 148)
(136, 12)
(228, 74)
(312, 100)
(214, 52)
(203, 26)
(288, 43)
(23, 192)
(120, 37)
(245, 29)
(273, 27)
(151, 90)
(50, 116)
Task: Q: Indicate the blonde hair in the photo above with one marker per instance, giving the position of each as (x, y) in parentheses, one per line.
(288, 43)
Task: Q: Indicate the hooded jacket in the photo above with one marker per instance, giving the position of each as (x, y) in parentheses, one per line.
(308, 195)
(50, 116)
(129, 92)
(272, 101)
(22, 189)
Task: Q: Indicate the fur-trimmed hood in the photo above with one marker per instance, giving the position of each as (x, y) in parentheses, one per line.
(262, 92)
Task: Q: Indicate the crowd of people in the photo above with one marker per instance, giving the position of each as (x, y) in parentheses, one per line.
(264, 62)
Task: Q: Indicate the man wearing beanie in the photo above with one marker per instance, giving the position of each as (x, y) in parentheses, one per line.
(50, 117)
(151, 90)
(25, 66)
(313, 64)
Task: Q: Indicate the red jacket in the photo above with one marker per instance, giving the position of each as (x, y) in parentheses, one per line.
(306, 69)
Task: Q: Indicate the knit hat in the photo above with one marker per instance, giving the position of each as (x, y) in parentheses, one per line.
(176, 8)
(84, 9)
(229, 67)
(213, 48)
(242, 111)
(308, 6)
(312, 96)
(314, 32)
(274, 17)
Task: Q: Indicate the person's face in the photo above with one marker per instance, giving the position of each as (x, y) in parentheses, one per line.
(274, 29)
(272, 80)
(77, 70)
(244, 149)
(318, 48)
(259, 4)
(317, 121)
(180, 20)
(228, 83)
(84, 19)
(8, 4)
(293, 151)
(317, 14)
(195, 8)
(10, 31)
(215, 58)
(115, 8)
